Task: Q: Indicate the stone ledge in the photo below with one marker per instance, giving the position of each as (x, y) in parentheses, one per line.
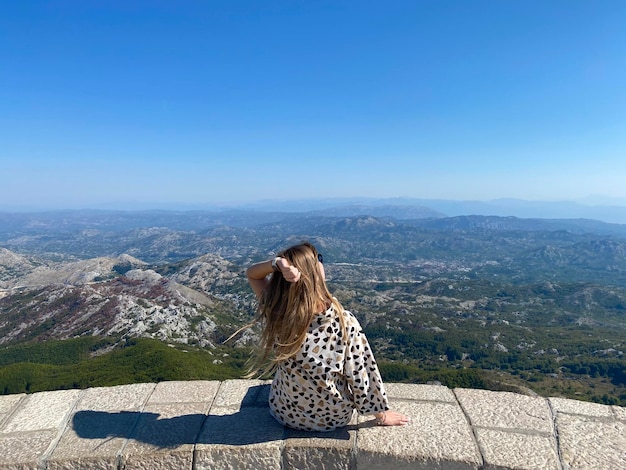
(224, 425)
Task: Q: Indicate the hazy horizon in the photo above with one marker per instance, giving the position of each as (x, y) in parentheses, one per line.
(220, 103)
(612, 211)
(591, 201)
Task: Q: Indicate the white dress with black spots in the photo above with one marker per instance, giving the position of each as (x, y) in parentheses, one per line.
(319, 388)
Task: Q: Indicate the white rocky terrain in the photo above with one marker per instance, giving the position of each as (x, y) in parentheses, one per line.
(52, 300)
(74, 273)
(14, 266)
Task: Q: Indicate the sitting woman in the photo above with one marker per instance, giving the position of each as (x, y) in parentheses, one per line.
(323, 366)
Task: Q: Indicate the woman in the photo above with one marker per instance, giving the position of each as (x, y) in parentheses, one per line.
(324, 368)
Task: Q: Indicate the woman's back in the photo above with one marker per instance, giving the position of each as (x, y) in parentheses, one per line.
(320, 386)
(324, 367)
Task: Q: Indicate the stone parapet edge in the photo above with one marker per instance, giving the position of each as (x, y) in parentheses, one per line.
(211, 425)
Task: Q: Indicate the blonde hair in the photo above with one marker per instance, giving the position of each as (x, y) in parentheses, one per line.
(286, 309)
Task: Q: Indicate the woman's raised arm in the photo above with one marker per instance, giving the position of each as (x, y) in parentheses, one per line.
(257, 273)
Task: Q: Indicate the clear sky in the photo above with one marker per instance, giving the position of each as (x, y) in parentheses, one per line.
(224, 101)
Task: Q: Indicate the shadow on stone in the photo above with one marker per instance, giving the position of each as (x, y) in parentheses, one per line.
(162, 433)
(251, 424)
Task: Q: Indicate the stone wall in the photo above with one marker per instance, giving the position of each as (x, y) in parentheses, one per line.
(226, 425)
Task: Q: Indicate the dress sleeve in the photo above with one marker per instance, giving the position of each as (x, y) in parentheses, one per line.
(361, 371)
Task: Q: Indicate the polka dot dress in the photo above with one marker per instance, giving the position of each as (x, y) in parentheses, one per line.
(319, 388)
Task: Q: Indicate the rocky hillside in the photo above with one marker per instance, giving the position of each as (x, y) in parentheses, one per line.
(538, 303)
(14, 266)
(193, 303)
(18, 271)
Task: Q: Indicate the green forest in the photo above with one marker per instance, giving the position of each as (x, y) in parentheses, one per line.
(55, 365)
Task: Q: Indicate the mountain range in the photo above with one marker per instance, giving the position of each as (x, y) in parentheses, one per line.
(611, 210)
(539, 297)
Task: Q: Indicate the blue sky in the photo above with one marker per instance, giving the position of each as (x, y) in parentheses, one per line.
(131, 103)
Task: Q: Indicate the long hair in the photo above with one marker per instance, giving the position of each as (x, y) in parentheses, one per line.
(286, 309)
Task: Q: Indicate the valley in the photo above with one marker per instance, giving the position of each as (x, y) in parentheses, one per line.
(531, 305)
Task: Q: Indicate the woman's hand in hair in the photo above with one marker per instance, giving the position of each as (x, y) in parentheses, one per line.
(290, 273)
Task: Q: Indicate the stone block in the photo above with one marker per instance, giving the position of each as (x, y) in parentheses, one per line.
(331, 450)
(237, 438)
(43, 410)
(165, 426)
(517, 451)
(122, 397)
(165, 437)
(438, 436)
(505, 410)
(8, 403)
(104, 420)
(587, 442)
(23, 451)
(239, 393)
(419, 392)
(93, 436)
(575, 407)
(85, 463)
(196, 391)
(172, 460)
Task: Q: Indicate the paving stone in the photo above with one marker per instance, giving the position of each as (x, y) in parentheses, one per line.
(437, 437)
(8, 404)
(165, 436)
(121, 397)
(43, 410)
(165, 427)
(102, 423)
(196, 391)
(517, 451)
(565, 405)
(505, 410)
(331, 450)
(587, 443)
(23, 451)
(94, 435)
(419, 392)
(85, 463)
(239, 438)
(239, 392)
(174, 460)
